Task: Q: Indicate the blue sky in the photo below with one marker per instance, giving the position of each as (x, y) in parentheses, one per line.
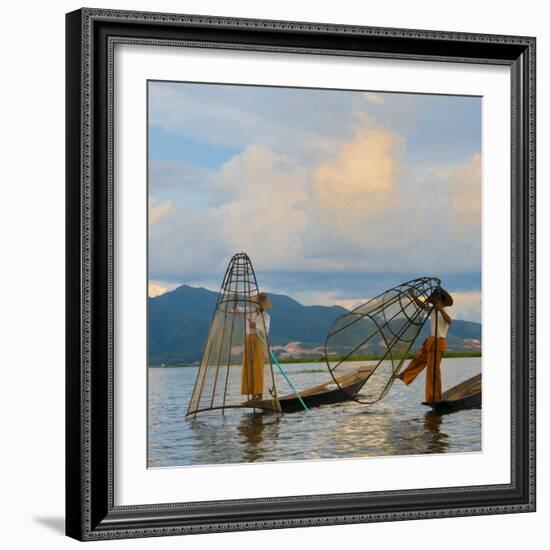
(335, 195)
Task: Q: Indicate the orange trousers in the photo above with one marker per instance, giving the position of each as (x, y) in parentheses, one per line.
(425, 358)
(252, 379)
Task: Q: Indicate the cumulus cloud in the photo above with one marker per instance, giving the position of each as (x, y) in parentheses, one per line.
(263, 216)
(327, 191)
(362, 178)
(365, 212)
(158, 288)
(467, 305)
(185, 243)
(157, 210)
(465, 192)
(155, 289)
(260, 214)
(373, 98)
(355, 212)
(353, 198)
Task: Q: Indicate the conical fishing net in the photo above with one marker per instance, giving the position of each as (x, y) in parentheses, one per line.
(379, 334)
(236, 369)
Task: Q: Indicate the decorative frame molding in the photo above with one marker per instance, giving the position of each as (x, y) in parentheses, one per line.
(90, 510)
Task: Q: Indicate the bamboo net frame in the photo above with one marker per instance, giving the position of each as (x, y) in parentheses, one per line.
(389, 324)
(231, 373)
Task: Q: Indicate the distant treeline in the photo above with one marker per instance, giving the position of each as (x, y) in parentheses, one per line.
(374, 357)
(337, 358)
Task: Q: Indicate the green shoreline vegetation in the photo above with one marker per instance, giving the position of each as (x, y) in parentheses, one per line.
(335, 358)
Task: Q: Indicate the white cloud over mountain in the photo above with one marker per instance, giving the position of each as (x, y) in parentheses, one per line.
(357, 212)
(312, 190)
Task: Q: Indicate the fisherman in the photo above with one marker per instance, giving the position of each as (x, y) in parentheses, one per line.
(257, 321)
(433, 346)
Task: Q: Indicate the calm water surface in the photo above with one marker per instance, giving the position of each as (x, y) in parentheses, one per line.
(398, 425)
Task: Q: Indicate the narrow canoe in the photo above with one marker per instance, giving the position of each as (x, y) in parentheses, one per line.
(348, 386)
(466, 395)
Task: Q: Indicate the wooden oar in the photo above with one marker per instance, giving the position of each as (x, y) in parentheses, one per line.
(283, 372)
(435, 353)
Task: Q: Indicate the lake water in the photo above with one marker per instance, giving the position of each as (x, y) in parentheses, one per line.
(398, 425)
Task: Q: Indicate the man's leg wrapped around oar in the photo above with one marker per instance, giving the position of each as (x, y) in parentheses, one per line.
(425, 358)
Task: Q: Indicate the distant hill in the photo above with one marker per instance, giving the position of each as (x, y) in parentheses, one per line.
(179, 321)
(178, 324)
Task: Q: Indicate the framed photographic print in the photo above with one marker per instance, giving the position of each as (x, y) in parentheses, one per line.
(300, 274)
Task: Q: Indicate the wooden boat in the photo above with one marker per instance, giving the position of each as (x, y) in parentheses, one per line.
(330, 392)
(466, 395)
(392, 320)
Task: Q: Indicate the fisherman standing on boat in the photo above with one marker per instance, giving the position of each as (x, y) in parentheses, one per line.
(434, 346)
(256, 320)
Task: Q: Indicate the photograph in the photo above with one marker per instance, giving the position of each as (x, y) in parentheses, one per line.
(314, 274)
(300, 272)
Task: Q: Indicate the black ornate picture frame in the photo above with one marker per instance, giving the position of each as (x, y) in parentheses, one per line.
(90, 509)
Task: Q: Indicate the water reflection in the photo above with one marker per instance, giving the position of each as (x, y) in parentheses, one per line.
(437, 443)
(246, 436)
(254, 431)
(398, 425)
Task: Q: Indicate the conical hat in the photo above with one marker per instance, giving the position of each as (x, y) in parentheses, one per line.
(441, 294)
(264, 300)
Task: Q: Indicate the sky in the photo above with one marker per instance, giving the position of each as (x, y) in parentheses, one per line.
(335, 195)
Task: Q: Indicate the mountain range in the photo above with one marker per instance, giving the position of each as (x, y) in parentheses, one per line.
(179, 321)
